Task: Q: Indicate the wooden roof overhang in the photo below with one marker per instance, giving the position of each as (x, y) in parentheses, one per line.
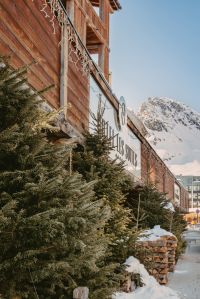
(114, 4)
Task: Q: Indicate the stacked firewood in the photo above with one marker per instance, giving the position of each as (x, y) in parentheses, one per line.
(161, 259)
(158, 259)
(171, 247)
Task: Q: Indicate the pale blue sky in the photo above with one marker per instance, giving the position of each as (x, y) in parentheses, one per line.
(155, 51)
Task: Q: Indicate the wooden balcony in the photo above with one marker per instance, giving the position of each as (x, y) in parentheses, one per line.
(95, 22)
(43, 45)
(115, 5)
(86, 16)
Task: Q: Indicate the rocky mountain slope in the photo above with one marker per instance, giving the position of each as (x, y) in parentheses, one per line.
(174, 131)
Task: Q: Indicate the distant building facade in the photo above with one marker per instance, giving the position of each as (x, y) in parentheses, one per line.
(192, 185)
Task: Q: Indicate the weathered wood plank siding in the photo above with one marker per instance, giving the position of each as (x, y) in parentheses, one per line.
(78, 98)
(27, 36)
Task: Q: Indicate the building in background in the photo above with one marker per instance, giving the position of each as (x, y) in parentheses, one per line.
(69, 41)
(192, 185)
(177, 193)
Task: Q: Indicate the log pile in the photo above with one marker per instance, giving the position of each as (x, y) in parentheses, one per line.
(158, 260)
(161, 259)
(171, 247)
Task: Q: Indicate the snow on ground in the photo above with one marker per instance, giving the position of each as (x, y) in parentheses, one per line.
(193, 227)
(186, 278)
(151, 290)
(154, 234)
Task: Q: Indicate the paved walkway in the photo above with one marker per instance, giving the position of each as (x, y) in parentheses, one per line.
(186, 278)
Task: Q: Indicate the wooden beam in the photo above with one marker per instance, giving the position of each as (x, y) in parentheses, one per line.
(94, 49)
(64, 71)
(70, 9)
(114, 4)
(102, 10)
(101, 57)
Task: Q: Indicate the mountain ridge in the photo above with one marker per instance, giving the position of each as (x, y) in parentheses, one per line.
(174, 132)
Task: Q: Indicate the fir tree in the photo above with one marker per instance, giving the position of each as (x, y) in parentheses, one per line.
(51, 226)
(177, 226)
(154, 211)
(152, 205)
(94, 163)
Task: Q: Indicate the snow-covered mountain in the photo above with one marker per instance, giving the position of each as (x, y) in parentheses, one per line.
(174, 132)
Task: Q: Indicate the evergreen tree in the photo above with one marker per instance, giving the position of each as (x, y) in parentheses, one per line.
(51, 226)
(94, 163)
(152, 205)
(177, 227)
(154, 211)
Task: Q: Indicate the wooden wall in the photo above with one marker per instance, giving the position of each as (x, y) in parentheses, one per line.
(154, 170)
(26, 35)
(78, 99)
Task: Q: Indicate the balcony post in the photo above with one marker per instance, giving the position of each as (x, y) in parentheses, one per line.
(101, 56)
(64, 71)
(102, 10)
(70, 9)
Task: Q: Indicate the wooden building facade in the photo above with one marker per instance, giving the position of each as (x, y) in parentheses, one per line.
(60, 38)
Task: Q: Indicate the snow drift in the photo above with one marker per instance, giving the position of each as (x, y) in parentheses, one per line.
(151, 288)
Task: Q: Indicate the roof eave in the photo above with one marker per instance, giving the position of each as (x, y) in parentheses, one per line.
(115, 4)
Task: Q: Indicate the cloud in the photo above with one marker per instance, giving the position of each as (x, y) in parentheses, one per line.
(191, 168)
